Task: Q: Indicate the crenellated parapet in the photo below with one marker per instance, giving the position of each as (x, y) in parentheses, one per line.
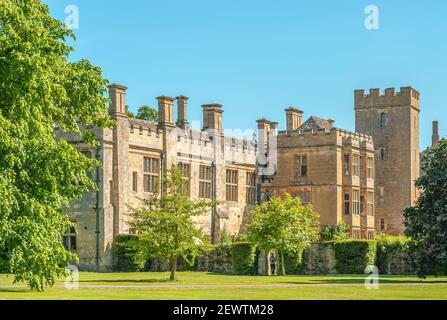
(407, 96)
(356, 139)
(316, 136)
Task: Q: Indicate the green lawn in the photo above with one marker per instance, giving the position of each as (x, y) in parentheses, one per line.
(194, 285)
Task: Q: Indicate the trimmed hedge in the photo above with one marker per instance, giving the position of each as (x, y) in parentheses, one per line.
(244, 258)
(219, 259)
(352, 256)
(390, 254)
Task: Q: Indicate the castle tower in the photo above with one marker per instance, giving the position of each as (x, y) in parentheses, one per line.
(393, 121)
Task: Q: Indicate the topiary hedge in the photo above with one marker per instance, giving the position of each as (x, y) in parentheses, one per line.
(244, 258)
(352, 256)
(126, 254)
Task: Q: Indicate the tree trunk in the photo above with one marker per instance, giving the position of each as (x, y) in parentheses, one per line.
(173, 265)
(283, 265)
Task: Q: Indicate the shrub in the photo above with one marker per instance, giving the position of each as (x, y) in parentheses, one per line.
(387, 247)
(352, 256)
(331, 233)
(244, 258)
(125, 253)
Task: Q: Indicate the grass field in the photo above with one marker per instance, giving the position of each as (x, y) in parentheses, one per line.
(194, 285)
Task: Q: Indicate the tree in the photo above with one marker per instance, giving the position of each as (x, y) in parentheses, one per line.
(166, 224)
(339, 232)
(147, 113)
(129, 113)
(40, 89)
(283, 225)
(426, 222)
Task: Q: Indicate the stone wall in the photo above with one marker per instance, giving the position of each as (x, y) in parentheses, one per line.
(319, 259)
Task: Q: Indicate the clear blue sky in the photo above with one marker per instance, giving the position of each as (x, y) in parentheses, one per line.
(257, 57)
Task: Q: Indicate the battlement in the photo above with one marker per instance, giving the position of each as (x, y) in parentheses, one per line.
(356, 139)
(335, 134)
(407, 96)
(203, 138)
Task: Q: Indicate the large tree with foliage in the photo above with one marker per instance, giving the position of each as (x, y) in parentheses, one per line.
(39, 90)
(144, 113)
(426, 222)
(283, 225)
(147, 113)
(166, 224)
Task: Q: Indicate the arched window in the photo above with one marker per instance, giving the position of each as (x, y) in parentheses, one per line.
(382, 120)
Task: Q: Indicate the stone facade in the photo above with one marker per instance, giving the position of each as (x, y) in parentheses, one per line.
(330, 168)
(363, 178)
(133, 154)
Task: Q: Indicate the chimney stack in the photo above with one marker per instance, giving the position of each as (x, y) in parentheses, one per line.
(264, 127)
(117, 95)
(294, 118)
(182, 117)
(435, 135)
(212, 117)
(165, 111)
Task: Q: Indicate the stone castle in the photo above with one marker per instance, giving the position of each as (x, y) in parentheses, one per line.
(363, 178)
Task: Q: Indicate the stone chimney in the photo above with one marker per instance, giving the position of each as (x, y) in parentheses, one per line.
(435, 135)
(182, 117)
(165, 111)
(212, 117)
(264, 127)
(117, 183)
(117, 95)
(294, 118)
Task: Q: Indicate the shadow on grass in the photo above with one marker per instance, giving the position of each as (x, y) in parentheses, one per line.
(14, 290)
(128, 281)
(344, 279)
(361, 280)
